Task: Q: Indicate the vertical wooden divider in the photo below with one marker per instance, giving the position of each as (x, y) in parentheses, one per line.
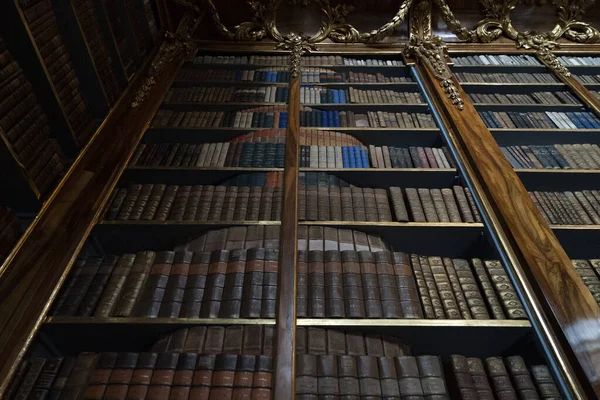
(284, 385)
(562, 309)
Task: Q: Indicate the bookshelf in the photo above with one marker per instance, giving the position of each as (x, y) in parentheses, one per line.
(163, 145)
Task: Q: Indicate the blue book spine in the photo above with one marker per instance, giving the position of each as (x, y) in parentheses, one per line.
(351, 157)
(324, 121)
(364, 158)
(336, 97)
(357, 157)
(345, 157)
(336, 117)
(579, 120)
(342, 96)
(592, 119)
(493, 120)
(238, 75)
(585, 119)
(269, 76)
(273, 77)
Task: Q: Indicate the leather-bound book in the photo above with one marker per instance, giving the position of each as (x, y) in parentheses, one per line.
(352, 285)
(399, 206)
(348, 377)
(451, 206)
(231, 302)
(545, 383)
(134, 283)
(195, 284)
(334, 293)
(498, 374)
(270, 278)
(390, 298)
(244, 377)
(151, 296)
(505, 290)
(468, 284)
(233, 341)
(194, 341)
(383, 205)
(374, 345)
(316, 341)
(78, 378)
(473, 206)
(306, 376)
(388, 378)
(215, 337)
(266, 204)
(175, 288)
(115, 204)
(241, 203)
(336, 342)
(121, 376)
(417, 210)
(407, 288)
(215, 282)
(253, 283)
(45, 379)
(151, 208)
(254, 203)
(191, 207)
(429, 207)
(184, 374)
(436, 301)
(34, 369)
(216, 206)
(162, 377)
(432, 378)
(370, 205)
(463, 204)
(133, 191)
(323, 212)
(166, 203)
(78, 290)
(439, 204)
(462, 378)
(368, 376)
(461, 302)
(358, 204)
(252, 342)
(335, 203)
(371, 294)
(444, 288)
(302, 197)
(203, 208)
(180, 203)
(202, 380)
(277, 204)
(141, 202)
(520, 377)
(301, 337)
(355, 344)
(96, 385)
(223, 377)
(409, 381)
(347, 206)
(316, 284)
(301, 284)
(97, 286)
(488, 289)
(422, 288)
(327, 376)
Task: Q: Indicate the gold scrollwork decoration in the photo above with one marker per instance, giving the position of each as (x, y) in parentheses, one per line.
(298, 45)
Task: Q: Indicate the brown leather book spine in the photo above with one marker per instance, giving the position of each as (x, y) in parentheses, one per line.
(121, 376)
(216, 206)
(348, 377)
(463, 204)
(180, 202)
(432, 378)
(253, 283)
(436, 301)
(388, 378)
(195, 284)
(323, 210)
(316, 284)
(270, 278)
(422, 287)
(545, 383)
(166, 203)
(302, 190)
(34, 368)
(202, 379)
(78, 378)
(416, 208)
(334, 293)
(154, 199)
(505, 290)
(233, 341)
(175, 288)
(358, 204)
(115, 204)
(371, 293)
(96, 385)
(266, 204)
(241, 203)
(462, 378)
(162, 377)
(468, 284)
(388, 290)
(277, 204)
(520, 377)
(133, 191)
(223, 377)
(254, 203)
(429, 207)
(327, 376)
(252, 342)
(78, 290)
(184, 374)
(191, 207)
(141, 202)
(439, 204)
(61, 378)
(301, 284)
(409, 381)
(371, 213)
(231, 302)
(316, 341)
(407, 287)
(368, 376)
(347, 206)
(203, 209)
(215, 282)
(444, 288)
(383, 205)
(45, 379)
(243, 378)
(503, 387)
(461, 301)
(473, 206)
(152, 293)
(336, 342)
(451, 206)
(134, 283)
(335, 203)
(488, 289)
(352, 285)
(97, 286)
(306, 376)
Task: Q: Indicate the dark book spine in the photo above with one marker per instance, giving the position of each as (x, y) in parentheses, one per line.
(234, 283)
(152, 292)
(175, 288)
(352, 285)
(371, 293)
(96, 385)
(436, 301)
(521, 378)
(500, 379)
(334, 291)
(480, 379)
(96, 288)
(215, 282)
(121, 376)
(488, 289)
(270, 279)
(444, 288)
(78, 377)
(432, 378)
(388, 290)
(505, 290)
(316, 284)
(462, 378)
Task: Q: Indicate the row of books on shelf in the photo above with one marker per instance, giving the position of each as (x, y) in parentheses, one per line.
(370, 119)
(498, 77)
(321, 75)
(579, 60)
(557, 156)
(24, 124)
(204, 94)
(550, 98)
(10, 231)
(92, 31)
(43, 25)
(540, 120)
(589, 270)
(284, 60)
(323, 95)
(589, 79)
(569, 208)
(262, 117)
(497, 59)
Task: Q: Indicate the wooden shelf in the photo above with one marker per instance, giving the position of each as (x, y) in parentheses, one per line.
(192, 83)
(528, 107)
(529, 69)
(187, 175)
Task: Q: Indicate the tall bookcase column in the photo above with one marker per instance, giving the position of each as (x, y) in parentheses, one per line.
(284, 386)
(540, 268)
(32, 277)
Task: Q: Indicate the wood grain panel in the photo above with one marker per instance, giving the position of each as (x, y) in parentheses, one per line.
(34, 272)
(284, 386)
(568, 306)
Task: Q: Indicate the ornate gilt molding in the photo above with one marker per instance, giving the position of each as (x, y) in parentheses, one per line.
(298, 44)
(171, 46)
